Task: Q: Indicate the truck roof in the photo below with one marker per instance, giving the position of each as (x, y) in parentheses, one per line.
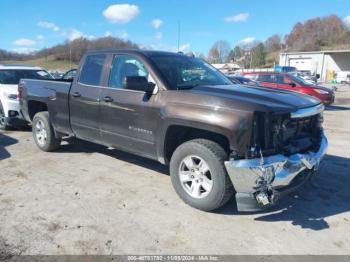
(20, 67)
(136, 51)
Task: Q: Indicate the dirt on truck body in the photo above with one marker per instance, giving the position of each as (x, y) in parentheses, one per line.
(218, 139)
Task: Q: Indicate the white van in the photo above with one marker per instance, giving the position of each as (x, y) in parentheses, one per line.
(9, 105)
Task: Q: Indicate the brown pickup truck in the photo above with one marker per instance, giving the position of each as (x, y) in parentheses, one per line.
(219, 139)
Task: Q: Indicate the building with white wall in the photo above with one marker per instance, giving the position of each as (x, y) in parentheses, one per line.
(324, 63)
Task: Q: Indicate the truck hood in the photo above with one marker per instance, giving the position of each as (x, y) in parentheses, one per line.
(9, 89)
(258, 98)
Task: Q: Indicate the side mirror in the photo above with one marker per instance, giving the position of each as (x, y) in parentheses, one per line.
(139, 83)
(318, 76)
(292, 84)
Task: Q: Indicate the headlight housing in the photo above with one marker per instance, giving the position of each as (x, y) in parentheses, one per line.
(10, 96)
(322, 92)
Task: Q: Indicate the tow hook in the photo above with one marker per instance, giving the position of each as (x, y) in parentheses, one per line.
(266, 198)
(262, 198)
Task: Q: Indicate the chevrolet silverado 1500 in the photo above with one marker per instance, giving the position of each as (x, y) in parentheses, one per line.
(219, 139)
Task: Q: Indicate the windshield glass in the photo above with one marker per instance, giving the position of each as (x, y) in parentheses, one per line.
(183, 72)
(300, 80)
(12, 76)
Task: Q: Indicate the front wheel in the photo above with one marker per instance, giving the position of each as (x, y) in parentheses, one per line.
(43, 133)
(198, 174)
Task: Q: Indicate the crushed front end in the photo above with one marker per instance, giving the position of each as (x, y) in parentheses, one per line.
(286, 149)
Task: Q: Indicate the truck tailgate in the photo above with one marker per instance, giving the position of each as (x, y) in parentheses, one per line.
(53, 94)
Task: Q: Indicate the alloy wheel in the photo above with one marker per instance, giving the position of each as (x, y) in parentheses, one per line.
(195, 176)
(40, 133)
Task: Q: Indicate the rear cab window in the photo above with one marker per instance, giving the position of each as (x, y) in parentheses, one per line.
(91, 72)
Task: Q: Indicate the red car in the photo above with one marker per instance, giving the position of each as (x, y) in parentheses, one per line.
(290, 82)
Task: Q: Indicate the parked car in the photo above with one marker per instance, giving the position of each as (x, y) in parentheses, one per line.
(217, 138)
(292, 83)
(242, 80)
(9, 79)
(69, 75)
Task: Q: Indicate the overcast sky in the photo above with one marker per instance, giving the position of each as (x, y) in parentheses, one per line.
(34, 24)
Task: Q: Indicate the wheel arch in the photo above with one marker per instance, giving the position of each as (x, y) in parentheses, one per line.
(177, 133)
(35, 107)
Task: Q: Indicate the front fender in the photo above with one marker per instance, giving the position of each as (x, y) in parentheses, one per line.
(233, 124)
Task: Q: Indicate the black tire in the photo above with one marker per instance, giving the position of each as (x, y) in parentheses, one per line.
(3, 122)
(51, 143)
(214, 156)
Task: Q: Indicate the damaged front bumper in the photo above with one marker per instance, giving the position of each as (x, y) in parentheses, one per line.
(259, 183)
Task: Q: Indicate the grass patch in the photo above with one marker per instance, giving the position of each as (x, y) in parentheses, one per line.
(49, 63)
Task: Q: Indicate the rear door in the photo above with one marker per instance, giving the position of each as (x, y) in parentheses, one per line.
(129, 118)
(84, 98)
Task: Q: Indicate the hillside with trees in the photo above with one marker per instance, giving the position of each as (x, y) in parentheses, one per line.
(321, 33)
(66, 53)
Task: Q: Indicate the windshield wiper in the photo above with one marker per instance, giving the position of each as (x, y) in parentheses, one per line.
(187, 86)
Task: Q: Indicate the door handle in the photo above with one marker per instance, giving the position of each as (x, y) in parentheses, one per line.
(108, 99)
(76, 94)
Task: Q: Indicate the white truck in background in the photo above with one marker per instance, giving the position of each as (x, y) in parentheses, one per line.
(9, 105)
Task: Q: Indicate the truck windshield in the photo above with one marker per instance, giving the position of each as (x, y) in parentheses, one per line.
(12, 76)
(183, 72)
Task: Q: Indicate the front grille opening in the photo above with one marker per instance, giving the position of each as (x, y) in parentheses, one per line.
(281, 134)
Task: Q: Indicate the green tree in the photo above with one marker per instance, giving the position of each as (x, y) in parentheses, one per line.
(258, 56)
(235, 54)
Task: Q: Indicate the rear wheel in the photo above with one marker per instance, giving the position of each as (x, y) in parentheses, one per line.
(198, 174)
(3, 122)
(43, 133)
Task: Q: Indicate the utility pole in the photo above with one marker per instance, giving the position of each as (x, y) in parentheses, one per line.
(251, 58)
(70, 57)
(178, 35)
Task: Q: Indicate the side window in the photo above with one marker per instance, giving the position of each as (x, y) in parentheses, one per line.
(279, 79)
(265, 78)
(283, 80)
(92, 70)
(124, 66)
(287, 80)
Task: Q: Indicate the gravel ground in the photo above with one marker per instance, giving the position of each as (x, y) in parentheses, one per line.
(86, 199)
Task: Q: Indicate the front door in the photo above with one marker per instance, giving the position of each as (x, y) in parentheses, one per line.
(128, 117)
(284, 82)
(84, 99)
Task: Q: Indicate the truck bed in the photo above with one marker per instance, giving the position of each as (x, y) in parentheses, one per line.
(53, 93)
